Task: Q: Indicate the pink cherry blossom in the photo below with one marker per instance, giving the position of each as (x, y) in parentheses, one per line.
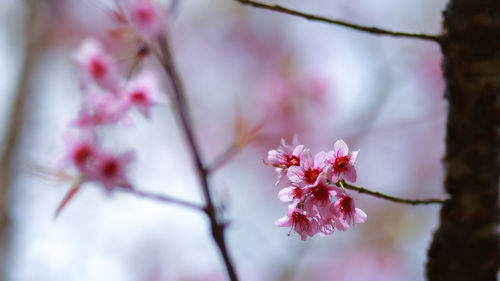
(320, 192)
(143, 93)
(291, 193)
(347, 213)
(309, 170)
(79, 150)
(97, 65)
(147, 17)
(316, 205)
(284, 157)
(110, 170)
(342, 162)
(298, 221)
(101, 109)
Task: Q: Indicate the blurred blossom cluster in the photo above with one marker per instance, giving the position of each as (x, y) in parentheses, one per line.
(316, 204)
(109, 95)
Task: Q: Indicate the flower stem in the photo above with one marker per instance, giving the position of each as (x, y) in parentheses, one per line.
(164, 199)
(391, 198)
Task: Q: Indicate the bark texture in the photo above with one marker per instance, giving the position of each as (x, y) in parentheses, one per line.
(465, 245)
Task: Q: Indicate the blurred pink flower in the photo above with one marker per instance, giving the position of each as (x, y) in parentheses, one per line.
(143, 93)
(101, 109)
(80, 150)
(147, 17)
(110, 170)
(97, 65)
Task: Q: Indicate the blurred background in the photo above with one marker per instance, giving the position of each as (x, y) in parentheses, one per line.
(241, 67)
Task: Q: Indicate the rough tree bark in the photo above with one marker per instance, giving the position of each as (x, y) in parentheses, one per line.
(465, 245)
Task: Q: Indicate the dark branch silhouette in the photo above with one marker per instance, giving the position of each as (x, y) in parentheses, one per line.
(392, 198)
(368, 29)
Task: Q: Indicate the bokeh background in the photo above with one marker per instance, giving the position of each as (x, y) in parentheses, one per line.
(239, 65)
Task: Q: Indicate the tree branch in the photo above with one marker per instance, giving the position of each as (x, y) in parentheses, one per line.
(223, 158)
(391, 198)
(164, 199)
(367, 29)
(180, 104)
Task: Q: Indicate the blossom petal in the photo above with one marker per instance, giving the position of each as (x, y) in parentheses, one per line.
(359, 216)
(286, 194)
(306, 160)
(353, 156)
(297, 151)
(350, 173)
(319, 160)
(340, 148)
(284, 221)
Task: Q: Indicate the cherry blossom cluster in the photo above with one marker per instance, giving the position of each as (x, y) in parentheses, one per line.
(108, 98)
(318, 203)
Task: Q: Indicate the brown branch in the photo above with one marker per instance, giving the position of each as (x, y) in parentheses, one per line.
(163, 199)
(367, 29)
(180, 104)
(223, 158)
(392, 198)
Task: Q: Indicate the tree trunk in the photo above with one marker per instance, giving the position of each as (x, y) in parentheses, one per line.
(465, 245)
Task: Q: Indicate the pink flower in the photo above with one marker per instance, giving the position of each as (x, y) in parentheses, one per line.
(147, 17)
(143, 93)
(320, 193)
(299, 222)
(346, 213)
(97, 65)
(316, 205)
(79, 151)
(110, 170)
(101, 109)
(291, 193)
(285, 156)
(309, 170)
(342, 162)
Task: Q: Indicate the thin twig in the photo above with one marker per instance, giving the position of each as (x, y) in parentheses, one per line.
(368, 29)
(223, 158)
(392, 198)
(217, 228)
(164, 199)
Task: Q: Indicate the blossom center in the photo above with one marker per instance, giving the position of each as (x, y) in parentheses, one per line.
(311, 175)
(138, 97)
(346, 205)
(341, 162)
(82, 154)
(143, 14)
(97, 68)
(300, 222)
(321, 193)
(294, 161)
(110, 168)
(297, 193)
